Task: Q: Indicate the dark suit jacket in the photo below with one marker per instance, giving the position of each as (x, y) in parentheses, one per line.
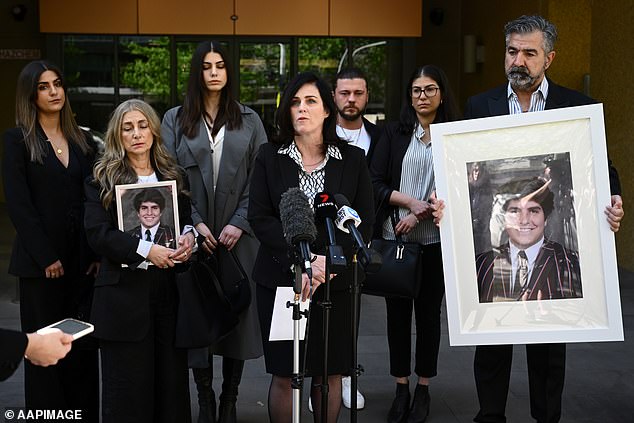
(163, 234)
(275, 173)
(120, 308)
(495, 103)
(385, 169)
(374, 133)
(11, 352)
(555, 273)
(45, 209)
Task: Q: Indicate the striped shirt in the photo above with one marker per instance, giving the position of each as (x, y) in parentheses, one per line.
(311, 183)
(538, 99)
(417, 181)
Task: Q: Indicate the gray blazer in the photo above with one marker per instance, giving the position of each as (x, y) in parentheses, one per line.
(228, 204)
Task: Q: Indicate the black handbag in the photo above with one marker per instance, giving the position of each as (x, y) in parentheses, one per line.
(235, 293)
(401, 271)
(199, 319)
(207, 310)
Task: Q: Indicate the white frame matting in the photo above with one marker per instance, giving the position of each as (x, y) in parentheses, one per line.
(578, 131)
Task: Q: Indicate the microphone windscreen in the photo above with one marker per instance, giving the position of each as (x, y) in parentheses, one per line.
(325, 206)
(298, 220)
(341, 200)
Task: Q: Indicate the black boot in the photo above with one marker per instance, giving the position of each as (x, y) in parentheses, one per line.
(206, 396)
(231, 376)
(400, 406)
(420, 405)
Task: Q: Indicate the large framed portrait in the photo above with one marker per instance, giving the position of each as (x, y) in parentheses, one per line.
(149, 211)
(528, 254)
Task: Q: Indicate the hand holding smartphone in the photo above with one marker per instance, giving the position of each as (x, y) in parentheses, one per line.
(73, 327)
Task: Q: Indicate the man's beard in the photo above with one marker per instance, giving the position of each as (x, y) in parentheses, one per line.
(521, 79)
(352, 117)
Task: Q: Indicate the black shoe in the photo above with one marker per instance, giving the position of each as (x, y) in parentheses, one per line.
(400, 406)
(420, 405)
(231, 374)
(206, 395)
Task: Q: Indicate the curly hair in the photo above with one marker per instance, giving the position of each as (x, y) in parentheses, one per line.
(114, 168)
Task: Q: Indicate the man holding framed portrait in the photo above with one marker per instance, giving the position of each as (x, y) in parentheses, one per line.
(529, 53)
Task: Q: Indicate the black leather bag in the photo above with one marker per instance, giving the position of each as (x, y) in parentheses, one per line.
(401, 271)
(200, 321)
(207, 311)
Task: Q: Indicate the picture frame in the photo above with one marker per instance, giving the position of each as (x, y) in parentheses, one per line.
(514, 145)
(149, 211)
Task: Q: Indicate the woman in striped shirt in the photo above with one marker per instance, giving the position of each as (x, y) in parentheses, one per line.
(403, 178)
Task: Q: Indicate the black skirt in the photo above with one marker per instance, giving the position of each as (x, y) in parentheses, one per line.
(278, 355)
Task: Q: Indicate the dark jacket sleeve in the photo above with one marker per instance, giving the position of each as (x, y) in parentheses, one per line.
(263, 212)
(22, 211)
(381, 166)
(103, 235)
(12, 347)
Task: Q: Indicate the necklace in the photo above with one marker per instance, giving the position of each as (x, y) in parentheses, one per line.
(350, 136)
(313, 164)
(57, 149)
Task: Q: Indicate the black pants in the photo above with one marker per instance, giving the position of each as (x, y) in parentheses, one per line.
(148, 380)
(546, 370)
(73, 383)
(427, 314)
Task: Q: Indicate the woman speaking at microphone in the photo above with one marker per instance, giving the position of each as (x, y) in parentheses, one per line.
(306, 153)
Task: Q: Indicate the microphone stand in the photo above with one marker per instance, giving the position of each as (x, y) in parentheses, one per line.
(355, 369)
(335, 262)
(297, 380)
(370, 261)
(326, 305)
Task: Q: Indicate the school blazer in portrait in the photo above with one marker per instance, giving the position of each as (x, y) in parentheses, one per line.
(164, 235)
(37, 207)
(495, 103)
(120, 308)
(274, 174)
(555, 273)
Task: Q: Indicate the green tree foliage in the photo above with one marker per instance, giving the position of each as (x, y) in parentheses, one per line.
(147, 67)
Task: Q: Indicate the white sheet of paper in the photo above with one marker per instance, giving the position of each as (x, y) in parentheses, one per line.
(282, 320)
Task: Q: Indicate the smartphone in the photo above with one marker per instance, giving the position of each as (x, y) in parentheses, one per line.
(74, 327)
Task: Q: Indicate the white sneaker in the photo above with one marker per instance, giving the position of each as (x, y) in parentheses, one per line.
(310, 404)
(346, 381)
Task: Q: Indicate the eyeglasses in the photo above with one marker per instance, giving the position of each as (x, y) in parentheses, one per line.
(430, 92)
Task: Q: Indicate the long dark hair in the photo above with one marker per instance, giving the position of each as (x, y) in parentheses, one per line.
(447, 111)
(26, 112)
(283, 121)
(194, 104)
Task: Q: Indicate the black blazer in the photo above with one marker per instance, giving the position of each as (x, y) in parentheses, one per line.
(385, 169)
(374, 133)
(164, 234)
(39, 208)
(555, 273)
(120, 307)
(495, 103)
(275, 173)
(11, 353)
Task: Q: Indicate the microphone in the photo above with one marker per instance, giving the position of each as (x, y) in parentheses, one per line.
(326, 210)
(298, 224)
(348, 220)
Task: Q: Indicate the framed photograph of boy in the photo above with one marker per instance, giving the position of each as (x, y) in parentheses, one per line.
(528, 255)
(149, 211)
